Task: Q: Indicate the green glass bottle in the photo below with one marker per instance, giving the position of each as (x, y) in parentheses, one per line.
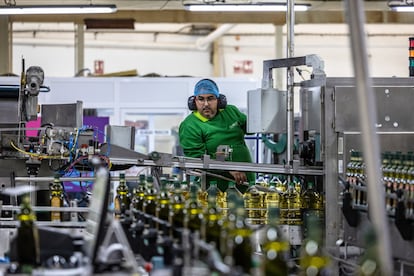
(28, 252)
(369, 263)
(122, 198)
(395, 163)
(185, 189)
(56, 198)
(275, 247)
(309, 197)
(150, 202)
(410, 186)
(139, 194)
(177, 210)
(313, 260)
(194, 213)
(213, 219)
(163, 206)
(351, 175)
(240, 238)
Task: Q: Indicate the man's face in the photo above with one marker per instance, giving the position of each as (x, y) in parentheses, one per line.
(207, 105)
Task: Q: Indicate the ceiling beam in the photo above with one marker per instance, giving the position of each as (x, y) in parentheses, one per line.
(179, 16)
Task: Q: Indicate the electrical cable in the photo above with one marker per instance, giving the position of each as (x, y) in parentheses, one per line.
(36, 155)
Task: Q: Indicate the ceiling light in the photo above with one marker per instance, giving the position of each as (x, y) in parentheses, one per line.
(402, 8)
(57, 9)
(244, 8)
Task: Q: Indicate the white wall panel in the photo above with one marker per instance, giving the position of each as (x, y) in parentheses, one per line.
(89, 90)
(150, 92)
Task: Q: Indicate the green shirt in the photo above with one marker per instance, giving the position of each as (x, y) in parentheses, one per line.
(199, 136)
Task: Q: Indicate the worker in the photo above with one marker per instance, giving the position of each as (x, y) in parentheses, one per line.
(211, 124)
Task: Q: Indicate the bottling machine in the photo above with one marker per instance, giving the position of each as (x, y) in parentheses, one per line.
(324, 148)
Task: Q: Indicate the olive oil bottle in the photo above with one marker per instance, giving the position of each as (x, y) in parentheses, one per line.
(194, 214)
(163, 206)
(313, 260)
(28, 252)
(56, 198)
(122, 198)
(177, 210)
(139, 194)
(273, 194)
(232, 195)
(254, 201)
(240, 239)
(212, 219)
(290, 206)
(150, 202)
(275, 247)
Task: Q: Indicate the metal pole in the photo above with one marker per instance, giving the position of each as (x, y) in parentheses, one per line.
(368, 116)
(290, 22)
(79, 47)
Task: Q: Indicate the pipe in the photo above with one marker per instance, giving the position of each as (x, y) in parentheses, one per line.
(112, 44)
(290, 21)
(204, 42)
(201, 44)
(368, 116)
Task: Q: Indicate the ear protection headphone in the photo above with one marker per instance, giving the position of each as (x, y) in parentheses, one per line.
(221, 104)
(222, 100)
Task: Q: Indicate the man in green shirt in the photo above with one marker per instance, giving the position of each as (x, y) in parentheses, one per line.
(211, 124)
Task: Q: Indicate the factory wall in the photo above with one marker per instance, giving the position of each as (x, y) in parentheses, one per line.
(240, 53)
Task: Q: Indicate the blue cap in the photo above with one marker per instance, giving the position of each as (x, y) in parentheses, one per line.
(206, 86)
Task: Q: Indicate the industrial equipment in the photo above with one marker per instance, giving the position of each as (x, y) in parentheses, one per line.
(309, 208)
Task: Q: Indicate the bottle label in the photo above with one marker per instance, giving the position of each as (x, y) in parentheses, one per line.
(55, 202)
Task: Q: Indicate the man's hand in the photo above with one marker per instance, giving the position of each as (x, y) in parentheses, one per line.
(239, 177)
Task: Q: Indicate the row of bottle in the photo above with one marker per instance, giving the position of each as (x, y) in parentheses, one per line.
(291, 197)
(397, 176)
(230, 232)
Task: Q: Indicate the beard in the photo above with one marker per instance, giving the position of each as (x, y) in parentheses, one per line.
(208, 113)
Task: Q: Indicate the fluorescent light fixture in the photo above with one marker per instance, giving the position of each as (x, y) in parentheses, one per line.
(57, 9)
(402, 8)
(243, 7)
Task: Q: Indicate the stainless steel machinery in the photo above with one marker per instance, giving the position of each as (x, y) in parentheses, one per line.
(394, 129)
